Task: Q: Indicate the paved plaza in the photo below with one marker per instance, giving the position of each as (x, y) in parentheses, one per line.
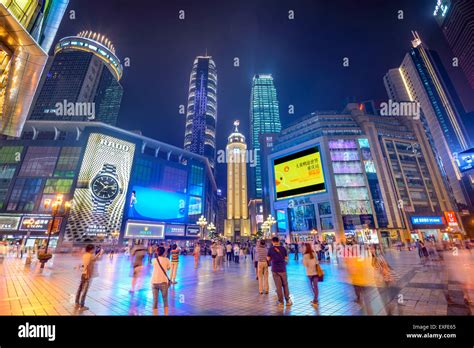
(420, 289)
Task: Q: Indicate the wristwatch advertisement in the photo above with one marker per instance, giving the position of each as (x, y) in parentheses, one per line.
(104, 188)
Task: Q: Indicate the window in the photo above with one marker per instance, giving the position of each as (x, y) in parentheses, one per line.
(10, 154)
(39, 161)
(324, 208)
(58, 186)
(326, 223)
(24, 194)
(68, 161)
(174, 179)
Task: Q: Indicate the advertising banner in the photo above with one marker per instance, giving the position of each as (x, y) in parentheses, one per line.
(144, 230)
(99, 198)
(299, 173)
(9, 223)
(175, 230)
(192, 231)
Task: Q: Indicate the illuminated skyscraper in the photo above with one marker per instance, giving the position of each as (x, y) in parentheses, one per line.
(28, 28)
(237, 223)
(201, 115)
(456, 18)
(264, 118)
(422, 78)
(86, 72)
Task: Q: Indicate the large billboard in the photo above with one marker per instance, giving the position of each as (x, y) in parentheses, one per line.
(155, 204)
(99, 198)
(299, 173)
(465, 160)
(144, 230)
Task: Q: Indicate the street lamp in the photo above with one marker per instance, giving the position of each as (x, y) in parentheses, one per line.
(58, 207)
(270, 222)
(202, 222)
(211, 228)
(265, 229)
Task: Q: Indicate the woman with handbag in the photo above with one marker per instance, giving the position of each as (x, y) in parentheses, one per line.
(159, 279)
(311, 263)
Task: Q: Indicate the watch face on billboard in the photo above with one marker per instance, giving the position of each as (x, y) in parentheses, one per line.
(100, 195)
(299, 174)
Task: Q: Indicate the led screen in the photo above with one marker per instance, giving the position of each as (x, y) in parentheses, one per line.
(153, 204)
(299, 173)
(465, 160)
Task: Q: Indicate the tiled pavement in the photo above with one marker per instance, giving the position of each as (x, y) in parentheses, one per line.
(421, 289)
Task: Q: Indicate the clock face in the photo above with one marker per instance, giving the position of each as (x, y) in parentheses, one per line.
(105, 187)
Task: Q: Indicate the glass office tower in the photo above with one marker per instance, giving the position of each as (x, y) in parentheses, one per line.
(264, 118)
(84, 73)
(201, 115)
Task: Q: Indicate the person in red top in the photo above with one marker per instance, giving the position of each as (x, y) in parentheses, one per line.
(174, 263)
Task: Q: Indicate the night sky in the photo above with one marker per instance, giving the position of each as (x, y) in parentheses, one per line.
(304, 55)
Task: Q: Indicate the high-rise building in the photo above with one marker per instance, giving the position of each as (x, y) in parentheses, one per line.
(201, 115)
(237, 223)
(81, 82)
(264, 118)
(456, 19)
(422, 78)
(28, 28)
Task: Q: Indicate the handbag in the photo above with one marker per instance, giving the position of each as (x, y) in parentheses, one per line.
(166, 274)
(320, 273)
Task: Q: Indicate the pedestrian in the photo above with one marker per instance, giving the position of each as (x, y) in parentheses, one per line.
(3, 251)
(88, 272)
(242, 254)
(261, 253)
(197, 254)
(278, 257)
(159, 278)
(228, 248)
(214, 256)
(297, 252)
(137, 254)
(220, 255)
(174, 262)
(236, 253)
(310, 262)
(150, 253)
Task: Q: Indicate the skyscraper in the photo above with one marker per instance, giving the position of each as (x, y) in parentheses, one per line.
(456, 18)
(81, 82)
(28, 29)
(237, 223)
(201, 115)
(422, 78)
(264, 118)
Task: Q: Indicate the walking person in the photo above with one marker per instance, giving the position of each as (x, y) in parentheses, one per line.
(197, 254)
(214, 256)
(236, 253)
(174, 262)
(88, 272)
(228, 248)
(261, 253)
(278, 257)
(310, 262)
(160, 280)
(297, 252)
(220, 255)
(242, 254)
(137, 254)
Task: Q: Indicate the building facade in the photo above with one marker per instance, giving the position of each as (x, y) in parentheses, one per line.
(356, 176)
(237, 223)
(28, 29)
(264, 118)
(81, 82)
(201, 114)
(113, 177)
(455, 17)
(421, 78)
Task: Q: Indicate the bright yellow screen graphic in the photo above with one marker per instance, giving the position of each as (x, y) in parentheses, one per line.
(299, 175)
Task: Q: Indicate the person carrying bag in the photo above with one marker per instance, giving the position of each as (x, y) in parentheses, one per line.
(159, 279)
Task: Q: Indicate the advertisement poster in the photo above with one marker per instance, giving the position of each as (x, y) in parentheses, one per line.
(99, 198)
(144, 230)
(299, 173)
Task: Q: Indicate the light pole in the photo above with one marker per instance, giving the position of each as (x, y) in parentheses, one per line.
(58, 207)
(270, 222)
(265, 229)
(211, 228)
(202, 222)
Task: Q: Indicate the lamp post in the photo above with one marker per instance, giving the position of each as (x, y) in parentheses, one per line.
(202, 222)
(58, 207)
(211, 228)
(265, 229)
(270, 222)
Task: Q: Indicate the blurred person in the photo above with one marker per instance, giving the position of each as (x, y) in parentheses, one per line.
(88, 272)
(278, 256)
(242, 254)
(384, 277)
(214, 256)
(236, 253)
(460, 269)
(261, 253)
(137, 254)
(150, 253)
(297, 251)
(220, 255)
(228, 249)
(159, 278)
(3, 251)
(310, 262)
(197, 254)
(175, 250)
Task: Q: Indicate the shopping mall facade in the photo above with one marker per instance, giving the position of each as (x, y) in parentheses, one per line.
(117, 181)
(355, 175)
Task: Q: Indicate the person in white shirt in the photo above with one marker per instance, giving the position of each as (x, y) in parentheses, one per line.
(197, 254)
(236, 253)
(220, 255)
(159, 279)
(88, 260)
(310, 260)
(228, 249)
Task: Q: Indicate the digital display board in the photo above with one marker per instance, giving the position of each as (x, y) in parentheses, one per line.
(40, 223)
(175, 230)
(427, 220)
(299, 173)
(465, 160)
(160, 205)
(8, 223)
(144, 230)
(193, 231)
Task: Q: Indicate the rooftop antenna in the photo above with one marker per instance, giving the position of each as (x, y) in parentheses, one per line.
(236, 124)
